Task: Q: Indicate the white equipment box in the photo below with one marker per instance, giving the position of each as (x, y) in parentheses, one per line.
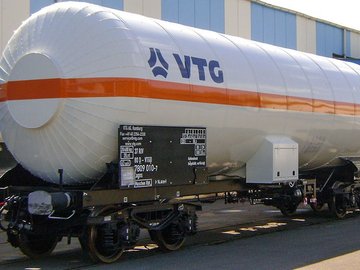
(276, 161)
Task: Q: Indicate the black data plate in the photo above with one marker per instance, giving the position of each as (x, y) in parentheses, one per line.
(160, 156)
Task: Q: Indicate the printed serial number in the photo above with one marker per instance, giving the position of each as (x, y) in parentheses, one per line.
(146, 168)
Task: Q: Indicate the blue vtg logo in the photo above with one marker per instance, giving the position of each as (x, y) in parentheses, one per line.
(185, 65)
(156, 55)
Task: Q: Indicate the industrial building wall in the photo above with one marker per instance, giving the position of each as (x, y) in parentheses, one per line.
(305, 34)
(206, 14)
(250, 19)
(273, 26)
(329, 39)
(12, 13)
(238, 18)
(355, 44)
(144, 7)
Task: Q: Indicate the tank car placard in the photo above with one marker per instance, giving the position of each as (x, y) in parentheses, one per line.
(160, 156)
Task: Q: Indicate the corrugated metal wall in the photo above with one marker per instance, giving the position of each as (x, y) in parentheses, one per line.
(11, 17)
(348, 43)
(329, 39)
(238, 18)
(306, 34)
(36, 5)
(355, 44)
(206, 14)
(273, 26)
(144, 7)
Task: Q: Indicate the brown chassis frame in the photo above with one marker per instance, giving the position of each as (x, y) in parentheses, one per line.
(102, 197)
(119, 196)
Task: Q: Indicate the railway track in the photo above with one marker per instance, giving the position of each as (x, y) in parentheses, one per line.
(217, 225)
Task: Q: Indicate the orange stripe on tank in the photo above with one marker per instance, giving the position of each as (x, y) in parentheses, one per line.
(141, 88)
(33, 89)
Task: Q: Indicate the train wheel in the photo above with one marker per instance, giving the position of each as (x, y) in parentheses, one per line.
(288, 209)
(37, 246)
(316, 207)
(102, 242)
(98, 249)
(170, 238)
(336, 206)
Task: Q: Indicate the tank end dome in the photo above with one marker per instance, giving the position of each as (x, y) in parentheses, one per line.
(33, 102)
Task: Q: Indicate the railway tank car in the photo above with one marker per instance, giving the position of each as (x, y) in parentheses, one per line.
(85, 90)
(72, 72)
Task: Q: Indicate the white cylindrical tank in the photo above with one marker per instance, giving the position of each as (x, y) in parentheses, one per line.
(74, 71)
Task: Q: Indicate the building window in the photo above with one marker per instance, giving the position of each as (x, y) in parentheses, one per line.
(206, 14)
(273, 26)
